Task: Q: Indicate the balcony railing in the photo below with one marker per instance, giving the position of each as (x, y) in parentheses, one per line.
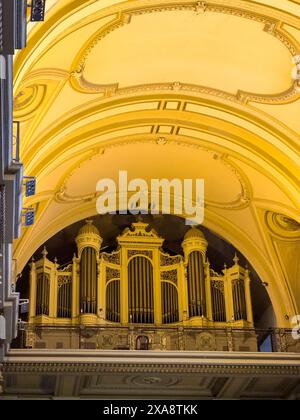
(124, 337)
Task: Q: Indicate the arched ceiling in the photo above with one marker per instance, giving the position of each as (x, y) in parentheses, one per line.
(174, 89)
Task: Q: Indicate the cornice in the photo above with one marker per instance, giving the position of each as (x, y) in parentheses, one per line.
(150, 368)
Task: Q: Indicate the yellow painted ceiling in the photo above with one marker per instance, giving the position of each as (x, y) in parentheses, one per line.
(173, 89)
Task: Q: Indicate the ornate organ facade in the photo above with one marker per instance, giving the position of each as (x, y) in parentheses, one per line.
(139, 297)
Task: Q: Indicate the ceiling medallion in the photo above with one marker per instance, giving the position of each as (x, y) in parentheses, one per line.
(271, 26)
(143, 380)
(162, 141)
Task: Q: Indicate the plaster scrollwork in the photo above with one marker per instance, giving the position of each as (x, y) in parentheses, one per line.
(206, 342)
(64, 280)
(112, 273)
(113, 258)
(218, 284)
(271, 26)
(132, 253)
(200, 7)
(62, 196)
(67, 269)
(28, 100)
(169, 275)
(168, 260)
(282, 226)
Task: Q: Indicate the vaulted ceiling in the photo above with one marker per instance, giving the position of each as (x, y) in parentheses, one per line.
(169, 89)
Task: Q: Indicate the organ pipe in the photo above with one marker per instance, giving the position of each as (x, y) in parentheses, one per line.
(196, 285)
(64, 301)
(170, 311)
(239, 301)
(218, 304)
(42, 294)
(88, 281)
(113, 301)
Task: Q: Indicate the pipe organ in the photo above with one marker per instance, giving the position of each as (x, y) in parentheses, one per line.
(139, 286)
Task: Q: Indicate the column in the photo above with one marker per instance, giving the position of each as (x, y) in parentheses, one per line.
(101, 309)
(53, 292)
(75, 290)
(248, 298)
(209, 310)
(228, 295)
(182, 293)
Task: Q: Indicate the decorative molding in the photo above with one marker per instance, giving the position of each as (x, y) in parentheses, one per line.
(170, 276)
(62, 280)
(28, 100)
(35, 86)
(143, 380)
(113, 258)
(206, 342)
(271, 26)
(218, 284)
(168, 260)
(132, 253)
(282, 226)
(112, 274)
(151, 368)
(139, 230)
(67, 269)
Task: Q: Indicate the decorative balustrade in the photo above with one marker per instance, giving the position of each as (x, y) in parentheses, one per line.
(158, 338)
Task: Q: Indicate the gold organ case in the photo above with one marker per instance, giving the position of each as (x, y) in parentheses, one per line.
(139, 297)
